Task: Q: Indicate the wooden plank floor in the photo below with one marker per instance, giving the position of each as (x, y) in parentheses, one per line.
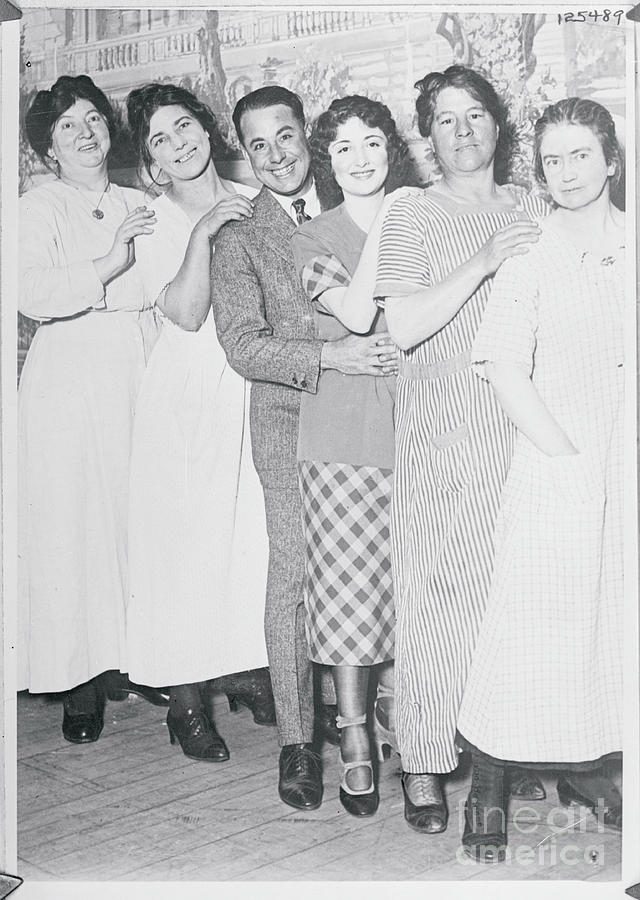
(132, 808)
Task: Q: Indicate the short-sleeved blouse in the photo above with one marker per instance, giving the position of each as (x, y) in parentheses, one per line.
(425, 238)
(546, 307)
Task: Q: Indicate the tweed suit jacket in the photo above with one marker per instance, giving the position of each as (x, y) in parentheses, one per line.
(266, 327)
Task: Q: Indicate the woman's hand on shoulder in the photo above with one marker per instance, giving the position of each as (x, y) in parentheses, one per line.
(398, 194)
(232, 209)
(122, 253)
(511, 240)
(401, 193)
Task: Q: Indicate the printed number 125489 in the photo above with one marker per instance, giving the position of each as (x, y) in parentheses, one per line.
(584, 15)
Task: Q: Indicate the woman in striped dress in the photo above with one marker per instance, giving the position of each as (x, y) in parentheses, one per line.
(438, 253)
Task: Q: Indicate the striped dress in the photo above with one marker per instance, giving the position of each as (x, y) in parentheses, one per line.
(453, 447)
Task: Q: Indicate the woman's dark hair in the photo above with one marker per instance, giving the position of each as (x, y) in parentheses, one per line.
(324, 131)
(48, 106)
(473, 83)
(578, 111)
(143, 102)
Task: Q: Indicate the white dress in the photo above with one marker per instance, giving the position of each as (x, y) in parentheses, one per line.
(198, 542)
(546, 680)
(75, 412)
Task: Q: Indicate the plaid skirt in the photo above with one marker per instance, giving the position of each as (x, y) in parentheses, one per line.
(349, 589)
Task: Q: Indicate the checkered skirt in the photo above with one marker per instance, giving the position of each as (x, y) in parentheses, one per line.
(349, 591)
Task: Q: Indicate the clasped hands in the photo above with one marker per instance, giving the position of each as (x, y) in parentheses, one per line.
(354, 354)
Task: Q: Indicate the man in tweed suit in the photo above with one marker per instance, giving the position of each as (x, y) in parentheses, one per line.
(265, 325)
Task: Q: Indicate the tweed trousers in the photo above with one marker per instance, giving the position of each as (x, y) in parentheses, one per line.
(284, 618)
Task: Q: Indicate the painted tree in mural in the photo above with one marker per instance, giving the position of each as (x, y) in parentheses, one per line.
(501, 48)
(211, 80)
(29, 162)
(317, 82)
(596, 55)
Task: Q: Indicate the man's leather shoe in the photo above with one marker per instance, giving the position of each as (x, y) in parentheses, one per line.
(300, 783)
(325, 723)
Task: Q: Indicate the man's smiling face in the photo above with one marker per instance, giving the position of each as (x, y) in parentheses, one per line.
(275, 144)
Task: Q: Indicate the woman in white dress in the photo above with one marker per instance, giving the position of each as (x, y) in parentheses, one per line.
(76, 401)
(198, 543)
(545, 685)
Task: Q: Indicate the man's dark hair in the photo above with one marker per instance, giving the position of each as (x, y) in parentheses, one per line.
(262, 98)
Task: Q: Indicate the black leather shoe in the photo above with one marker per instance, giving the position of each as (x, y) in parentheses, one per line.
(118, 687)
(300, 782)
(485, 812)
(607, 807)
(325, 723)
(197, 736)
(428, 818)
(524, 785)
(480, 842)
(251, 689)
(360, 805)
(81, 728)
(81, 725)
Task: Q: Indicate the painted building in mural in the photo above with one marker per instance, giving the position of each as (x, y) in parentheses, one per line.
(380, 52)
(224, 54)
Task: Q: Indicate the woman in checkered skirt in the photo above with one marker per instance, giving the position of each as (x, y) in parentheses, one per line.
(346, 444)
(545, 683)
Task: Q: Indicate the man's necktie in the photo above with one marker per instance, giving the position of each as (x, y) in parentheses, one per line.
(298, 208)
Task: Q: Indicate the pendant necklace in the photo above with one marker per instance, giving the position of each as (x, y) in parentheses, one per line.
(97, 212)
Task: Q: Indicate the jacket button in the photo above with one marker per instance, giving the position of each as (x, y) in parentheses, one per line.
(303, 383)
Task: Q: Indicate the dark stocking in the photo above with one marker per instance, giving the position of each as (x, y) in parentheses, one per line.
(84, 699)
(183, 697)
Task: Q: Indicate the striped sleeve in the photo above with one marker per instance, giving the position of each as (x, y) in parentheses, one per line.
(402, 255)
(508, 329)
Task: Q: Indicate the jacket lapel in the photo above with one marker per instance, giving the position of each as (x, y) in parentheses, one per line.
(275, 225)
